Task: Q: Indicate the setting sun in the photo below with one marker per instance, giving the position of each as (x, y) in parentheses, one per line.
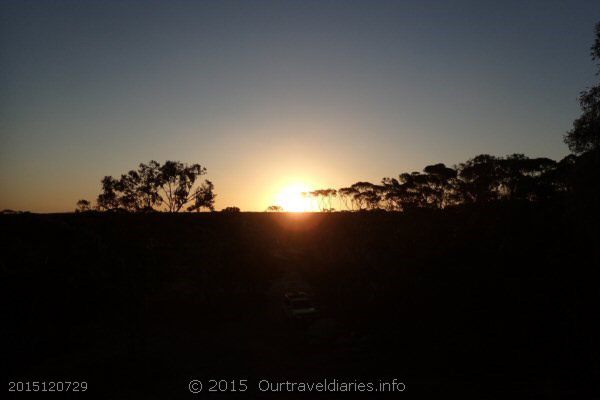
(292, 198)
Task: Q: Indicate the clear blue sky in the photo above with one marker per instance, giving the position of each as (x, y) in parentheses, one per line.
(266, 93)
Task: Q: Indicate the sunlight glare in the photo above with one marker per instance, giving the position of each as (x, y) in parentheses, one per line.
(291, 198)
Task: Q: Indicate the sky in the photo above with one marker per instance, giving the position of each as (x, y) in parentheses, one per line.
(276, 94)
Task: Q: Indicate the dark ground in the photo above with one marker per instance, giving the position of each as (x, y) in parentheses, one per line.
(498, 301)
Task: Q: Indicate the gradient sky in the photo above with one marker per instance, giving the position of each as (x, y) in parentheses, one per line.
(266, 93)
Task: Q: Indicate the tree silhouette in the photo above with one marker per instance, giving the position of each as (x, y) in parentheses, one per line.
(487, 178)
(366, 195)
(83, 206)
(521, 177)
(316, 194)
(173, 184)
(324, 198)
(410, 190)
(274, 209)
(128, 186)
(346, 197)
(108, 199)
(585, 134)
(204, 197)
(149, 184)
(330, 194)
(480, 179)
(442, 182)
(176, 181)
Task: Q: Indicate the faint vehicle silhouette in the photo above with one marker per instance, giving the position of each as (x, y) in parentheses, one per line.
(298, 306)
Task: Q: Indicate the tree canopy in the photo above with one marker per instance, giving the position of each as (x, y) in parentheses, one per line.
(154, 187)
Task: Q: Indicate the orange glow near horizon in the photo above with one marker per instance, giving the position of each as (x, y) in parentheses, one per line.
(292, 199)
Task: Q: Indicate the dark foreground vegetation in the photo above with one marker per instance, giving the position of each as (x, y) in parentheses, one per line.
(499, 299)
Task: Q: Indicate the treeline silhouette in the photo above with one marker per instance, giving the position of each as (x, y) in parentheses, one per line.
(174, 186)
(481, 179)
(486, 178)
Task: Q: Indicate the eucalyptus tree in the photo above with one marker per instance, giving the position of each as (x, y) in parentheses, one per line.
(346, 197)
(176, 181)
(440, 180)
(366, 195)
(329, 194)
(204, 197)
(108, 199)
(155, 187)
